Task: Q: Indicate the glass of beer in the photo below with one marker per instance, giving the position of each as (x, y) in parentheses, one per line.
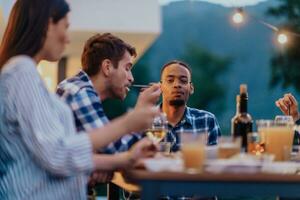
(159, 128)
(278, 136)
(229, 146)
(193, 150)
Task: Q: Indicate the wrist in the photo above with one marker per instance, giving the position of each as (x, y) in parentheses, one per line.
(128, 159)
(126, 123)
(297, 118)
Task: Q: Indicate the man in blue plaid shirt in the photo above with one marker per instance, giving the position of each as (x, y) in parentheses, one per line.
(176, 87)
(106, 63)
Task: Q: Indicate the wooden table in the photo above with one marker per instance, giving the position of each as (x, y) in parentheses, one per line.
(156, 184)
(118, 182)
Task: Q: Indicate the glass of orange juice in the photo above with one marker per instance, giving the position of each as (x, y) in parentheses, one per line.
(193, 150)
(278, 136)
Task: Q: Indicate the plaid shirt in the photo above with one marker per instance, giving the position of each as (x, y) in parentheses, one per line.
(198, 121)
(78, 92)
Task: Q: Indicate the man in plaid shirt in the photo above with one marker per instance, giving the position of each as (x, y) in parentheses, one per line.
(106, 63)
(176, 87)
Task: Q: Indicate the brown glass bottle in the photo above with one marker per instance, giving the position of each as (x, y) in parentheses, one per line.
(233, 119)
(241, 123)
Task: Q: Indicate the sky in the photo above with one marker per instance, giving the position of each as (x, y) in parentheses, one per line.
(228, 3)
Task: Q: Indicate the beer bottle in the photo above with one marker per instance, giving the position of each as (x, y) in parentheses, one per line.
(242, 122)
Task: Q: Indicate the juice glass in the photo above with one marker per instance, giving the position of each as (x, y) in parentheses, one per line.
(193, 150)
(277, 136)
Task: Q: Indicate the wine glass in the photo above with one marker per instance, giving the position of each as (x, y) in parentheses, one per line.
(159, 128)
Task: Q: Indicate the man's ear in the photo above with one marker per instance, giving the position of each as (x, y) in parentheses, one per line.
(191, 88)
(106, 67)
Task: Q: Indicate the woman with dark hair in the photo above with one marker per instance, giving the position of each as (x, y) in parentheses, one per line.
(41, 155)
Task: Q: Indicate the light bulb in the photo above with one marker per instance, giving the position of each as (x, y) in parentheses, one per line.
(237, 18)
(282, 38)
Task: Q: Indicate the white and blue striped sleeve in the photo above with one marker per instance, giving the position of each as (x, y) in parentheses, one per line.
(58, 150)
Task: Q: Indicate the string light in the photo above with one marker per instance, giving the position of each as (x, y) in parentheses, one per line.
(282, 37)
(238, 16)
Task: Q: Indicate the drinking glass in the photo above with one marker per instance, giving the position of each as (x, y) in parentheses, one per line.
(229, 146)
(193, 150)
(254, 145)
(159, 128)
(165, 148)
(284, 119)
(277, 135)
(289, 119)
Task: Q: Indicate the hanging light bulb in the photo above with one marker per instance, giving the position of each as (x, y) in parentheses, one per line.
(238, 16)
(282, 38)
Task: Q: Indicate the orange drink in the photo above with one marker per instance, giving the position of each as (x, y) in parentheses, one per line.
(228, 146)
(278, 137)
(193, 150)
(193, 156)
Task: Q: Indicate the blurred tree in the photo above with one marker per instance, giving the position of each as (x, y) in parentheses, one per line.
(285, 65)
(207, 71)
(114, 108)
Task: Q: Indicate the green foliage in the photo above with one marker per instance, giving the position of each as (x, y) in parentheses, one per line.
(113, 108)
(289, 9)
(207, 69)
(141, 72)
(285, 65)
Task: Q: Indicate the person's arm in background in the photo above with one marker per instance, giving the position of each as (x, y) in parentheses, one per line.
(105, 163)
(142, 149)
(89, 114)
(138, 119)
(289, 106)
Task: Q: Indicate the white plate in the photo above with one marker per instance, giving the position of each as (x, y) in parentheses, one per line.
(232, 166)
(281, 167)
(163, 164)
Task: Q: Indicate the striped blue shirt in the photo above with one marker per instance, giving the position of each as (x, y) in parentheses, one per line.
(41, 154)
(79, 93)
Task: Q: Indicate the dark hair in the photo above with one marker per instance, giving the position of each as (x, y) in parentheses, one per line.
(175, 62)
(103, 46)
(27, 26)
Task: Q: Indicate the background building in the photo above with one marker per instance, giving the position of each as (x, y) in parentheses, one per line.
(137, 22)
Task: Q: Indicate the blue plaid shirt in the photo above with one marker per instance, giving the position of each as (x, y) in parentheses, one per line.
(198, 121)
(78, 92)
